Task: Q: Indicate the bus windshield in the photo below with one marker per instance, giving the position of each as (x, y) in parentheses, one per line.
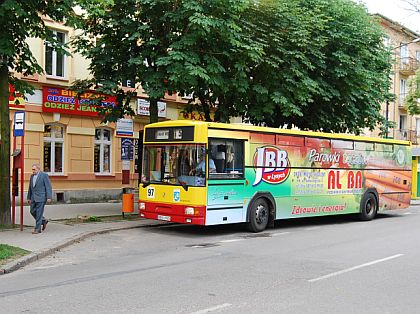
(183, 165)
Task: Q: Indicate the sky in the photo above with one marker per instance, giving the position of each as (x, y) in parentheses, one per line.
(396, 10)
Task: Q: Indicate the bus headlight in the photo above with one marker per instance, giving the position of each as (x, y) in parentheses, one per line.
(189, 210)
(142, 205)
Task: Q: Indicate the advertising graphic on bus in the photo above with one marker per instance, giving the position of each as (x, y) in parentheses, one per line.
(209, 173)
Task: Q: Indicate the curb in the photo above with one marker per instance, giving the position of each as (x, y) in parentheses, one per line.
(34, 256)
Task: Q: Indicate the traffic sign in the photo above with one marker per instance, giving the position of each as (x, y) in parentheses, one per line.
(19, 124)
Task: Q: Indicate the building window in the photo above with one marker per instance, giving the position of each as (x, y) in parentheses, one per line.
(404, 56)
(102, 153)
(53, 148)
(387, 41)
(55, 60)
(418, 55)
(403, 91)
(403, 122)
(418, 127)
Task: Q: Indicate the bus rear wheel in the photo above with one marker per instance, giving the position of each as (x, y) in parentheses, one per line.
(259, 214)
(368, 207)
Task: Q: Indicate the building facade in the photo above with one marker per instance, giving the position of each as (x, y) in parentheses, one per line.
(405, 47)
(85, 159)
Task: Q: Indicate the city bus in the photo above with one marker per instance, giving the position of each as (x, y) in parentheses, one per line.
(207, 173)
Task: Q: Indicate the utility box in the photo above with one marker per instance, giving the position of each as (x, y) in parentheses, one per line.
(128, 200)
(17, 159)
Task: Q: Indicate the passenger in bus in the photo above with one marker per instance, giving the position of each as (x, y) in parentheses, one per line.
(201, 167)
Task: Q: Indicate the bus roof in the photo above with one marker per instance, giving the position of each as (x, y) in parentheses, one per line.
(261, 129)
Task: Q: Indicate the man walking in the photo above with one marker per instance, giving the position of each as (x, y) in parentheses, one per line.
(39, 193)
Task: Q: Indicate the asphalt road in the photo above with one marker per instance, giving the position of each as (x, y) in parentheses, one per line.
(332, 265)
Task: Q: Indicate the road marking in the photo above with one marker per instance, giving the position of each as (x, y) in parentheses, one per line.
(407, 213)
(214, 308)
(231, 240)
(279, 233)
(356, 267)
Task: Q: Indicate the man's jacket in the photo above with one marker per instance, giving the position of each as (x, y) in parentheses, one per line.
(42, 189)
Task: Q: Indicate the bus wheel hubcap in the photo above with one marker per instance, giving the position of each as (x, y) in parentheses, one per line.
(261, 214)
(369, 207)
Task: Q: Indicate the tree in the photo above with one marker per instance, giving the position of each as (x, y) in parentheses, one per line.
(325, 66)
(165, 46)
(20, 19)
(413, 5)
(315, 64)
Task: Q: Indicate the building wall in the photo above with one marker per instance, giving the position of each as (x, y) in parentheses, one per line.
(398, 36)
(78, 182)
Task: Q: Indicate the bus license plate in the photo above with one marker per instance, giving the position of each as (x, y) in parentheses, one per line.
(164, 218)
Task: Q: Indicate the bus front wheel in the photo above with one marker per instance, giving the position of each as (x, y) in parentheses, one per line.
(259, 213)
(368, 207)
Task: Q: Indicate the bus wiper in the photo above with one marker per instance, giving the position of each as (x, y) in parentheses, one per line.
(146, 183)
(184, 185)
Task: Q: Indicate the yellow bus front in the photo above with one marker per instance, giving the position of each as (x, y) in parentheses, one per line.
(174, 170)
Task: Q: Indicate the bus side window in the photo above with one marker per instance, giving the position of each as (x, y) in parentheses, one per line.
(228, 158)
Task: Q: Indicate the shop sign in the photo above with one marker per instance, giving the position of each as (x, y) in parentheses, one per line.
(143, 108)
(16, 100)
(195, 115)
(55, 99)
(125, 127)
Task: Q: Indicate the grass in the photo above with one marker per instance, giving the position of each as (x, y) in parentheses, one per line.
(8, 253)
(88, 219)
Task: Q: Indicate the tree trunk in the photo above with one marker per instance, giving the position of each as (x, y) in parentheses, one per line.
(5, 203)
(153, 110)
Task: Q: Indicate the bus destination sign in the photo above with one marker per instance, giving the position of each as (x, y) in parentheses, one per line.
(185, 133)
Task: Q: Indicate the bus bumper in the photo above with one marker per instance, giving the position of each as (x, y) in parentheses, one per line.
(173, 213)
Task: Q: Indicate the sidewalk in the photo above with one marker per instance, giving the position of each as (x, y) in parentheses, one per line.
(59, 235)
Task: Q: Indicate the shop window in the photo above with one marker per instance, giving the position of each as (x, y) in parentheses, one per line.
(54, 57)
(102, 152)
(53, 148)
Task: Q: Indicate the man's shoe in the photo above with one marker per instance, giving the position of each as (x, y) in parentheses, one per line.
(36, 232)
(44, 225)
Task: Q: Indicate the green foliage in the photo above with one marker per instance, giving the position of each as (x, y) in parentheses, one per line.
(166, 46)
(324, 66)
(412, 101)
(94, 219)
(315, 64)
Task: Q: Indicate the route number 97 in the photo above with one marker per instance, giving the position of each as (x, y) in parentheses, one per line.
(150, 192)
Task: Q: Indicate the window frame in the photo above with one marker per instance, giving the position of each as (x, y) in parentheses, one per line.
(403, 90)
(234, 174)
(53, 140)
(101, 142)
(54, 57)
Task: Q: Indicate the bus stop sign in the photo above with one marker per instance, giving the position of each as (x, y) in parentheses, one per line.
(19, 124)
